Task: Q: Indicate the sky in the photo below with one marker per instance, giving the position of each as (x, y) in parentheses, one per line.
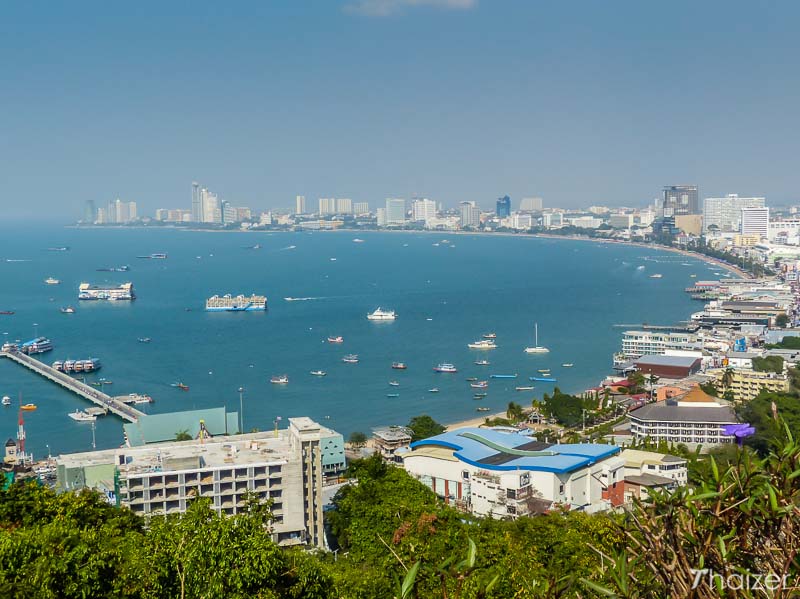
(579, 103)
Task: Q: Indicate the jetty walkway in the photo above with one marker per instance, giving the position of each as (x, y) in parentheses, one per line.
(97, 397)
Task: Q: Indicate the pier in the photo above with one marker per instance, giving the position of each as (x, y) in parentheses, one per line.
(99, 398)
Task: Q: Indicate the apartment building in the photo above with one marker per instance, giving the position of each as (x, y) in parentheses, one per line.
(746, 383)
(636, 344)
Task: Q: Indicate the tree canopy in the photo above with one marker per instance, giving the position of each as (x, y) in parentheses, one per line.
(424, 426)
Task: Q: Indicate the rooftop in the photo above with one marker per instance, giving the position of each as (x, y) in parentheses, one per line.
(495, 450)
(656, 360)
(635, 458)
(669, 411)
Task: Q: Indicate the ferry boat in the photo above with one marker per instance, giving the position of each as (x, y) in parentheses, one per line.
(350, 359)
(239, 303)
(536, 349)
(528, 388)
(479, 385)
(380, 314)
(36, 346)
(482, 362)
(336, 339)
(28, 407)
(68, 310)
(318, 372)
(279, 380)
(482, 344)
(6, 400)
(51, 281)
(9, 347)
(656, 276)
(399, 366)
(88, 365)
(445, 367)
(489, 336)
(394, 383)
(502, 376)
(81, 416)
(483, 409)
(544, 379)
(109, 293)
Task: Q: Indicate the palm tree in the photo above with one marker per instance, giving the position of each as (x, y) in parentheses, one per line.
(727, 378)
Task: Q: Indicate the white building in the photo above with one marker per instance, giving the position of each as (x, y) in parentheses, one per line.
(380, 217)
(395, 211)
(327, 206)
(639, 462)
(621, 221)
(423, 210)
(344, 206)
(470, 214)
(531, 204)
(755, 221)
(552, 219)
(645, 217)
(211, 206)
(162, 478)
(361, 207)
(521, 221)
(636, 344)
(300, 205)
(726, 213)
(501, 474)
(586, 222)
(784, 232)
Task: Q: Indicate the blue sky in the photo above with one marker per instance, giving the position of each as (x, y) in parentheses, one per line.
(578, 102)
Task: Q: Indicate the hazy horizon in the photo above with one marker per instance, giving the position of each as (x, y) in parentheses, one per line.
(447, 99)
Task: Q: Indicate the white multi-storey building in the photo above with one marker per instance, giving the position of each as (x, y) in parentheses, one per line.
(423, 210)
(470, 214)
(211, 206)
(621, 221)
(162, 478)
(725, 214)
(530, 204)
(327, 206)
(636, 344)
(395, 211)
(361, 207)
(344, 206)
(521, 221)
(755, 221)
(300, 205)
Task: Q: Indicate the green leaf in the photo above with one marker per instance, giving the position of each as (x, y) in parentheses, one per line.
(408, 581)
(598, 588)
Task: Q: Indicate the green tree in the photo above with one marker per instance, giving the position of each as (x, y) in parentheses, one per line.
(781, 320)
(514, 412)
(423, 427)
(183, 436)
(768, 364)
(357, 439)
(761, 413)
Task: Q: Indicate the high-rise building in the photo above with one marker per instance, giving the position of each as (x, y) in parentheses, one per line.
(755, 221)
(361, 207)
(121, 212)
(380, 217)
(102, 216)
(327, 206)
(503, 209)
(211, 207)
(300, 205)
(197, 204)
(344, 206)
(229, 213)
(243, 213)
(470, 214)
(531, 204)
(395, 211)
(132, 211)
(679, 199)
(89, 212)
(725, 214)
(423, 210)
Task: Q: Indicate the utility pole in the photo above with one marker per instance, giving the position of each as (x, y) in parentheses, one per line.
(241, 410)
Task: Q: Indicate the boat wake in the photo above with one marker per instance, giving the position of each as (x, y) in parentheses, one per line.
(301, 299)
(288, 247)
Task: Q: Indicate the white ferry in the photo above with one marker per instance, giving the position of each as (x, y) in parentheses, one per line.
(51, 281)
(445, 367)
(238, 303)
(482, 344)
(81, 416)
(99, 292)
(279, 380)
(380, 314)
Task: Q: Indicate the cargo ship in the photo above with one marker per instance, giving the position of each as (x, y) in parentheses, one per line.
(238, 303)
(102, 292)
(36, 346)
(89, 365)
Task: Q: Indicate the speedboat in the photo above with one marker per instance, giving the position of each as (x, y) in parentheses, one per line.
(28, 407)
(144, 340)
(399, 365)
(483, 409)
(51, 281)
(81, 416)
(482, 362)
(392, 395)
(568, 365)
(544, 370)
(68, 310)
(434, 390)
(6, 400)
(472, 379)
(658, 276)
(350, 359)
(528, 388)
(479, 395)
(180, 386)
(280, 380)
(336, 339)
(479, 385)
(318, 372)
(394, 383)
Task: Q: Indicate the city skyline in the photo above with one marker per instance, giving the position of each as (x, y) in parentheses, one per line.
(379, 100)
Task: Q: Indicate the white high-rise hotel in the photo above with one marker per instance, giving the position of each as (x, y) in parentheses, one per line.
(755, 221)
(726, 213)
(423, 210)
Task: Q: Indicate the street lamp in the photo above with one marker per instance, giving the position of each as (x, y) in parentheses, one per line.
(241, 410)
(48, 451)
(35, 330)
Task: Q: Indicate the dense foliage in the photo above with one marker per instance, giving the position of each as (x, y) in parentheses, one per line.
(567, 409)
(768, 364)
(423, 427)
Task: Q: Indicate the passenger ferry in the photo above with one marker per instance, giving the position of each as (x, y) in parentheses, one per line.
(100, 292)
(239, 303)
(445, 367)
(482, 344)
(380, 314)
(279, 380)
(336, 339)
(399, 366)
(36, 346)
(350, 359)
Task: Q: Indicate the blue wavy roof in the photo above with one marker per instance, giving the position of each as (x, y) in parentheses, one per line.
(495, 450)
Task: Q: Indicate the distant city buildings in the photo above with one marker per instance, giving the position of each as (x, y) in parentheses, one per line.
(679, 199)
(300, 205)
(423, 210)
(395, 211)
(531, 204)
(173, 216)
(755, 221)
(361, 207)
(503, 209)
(725, 214)
(344, 206)
(117, 212)
(470, 215)
(89, 212)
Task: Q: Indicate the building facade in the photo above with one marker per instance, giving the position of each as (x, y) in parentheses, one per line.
(395, 211)
(746, 383)
(300, 205)
(531, 204)
(679, 199)
(755, 221)
(423, 210)
(470, 215)
(361, 207)
(636, 344)
(725, 214)
(503, 208)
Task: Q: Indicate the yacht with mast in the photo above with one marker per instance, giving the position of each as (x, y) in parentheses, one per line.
(536, 349)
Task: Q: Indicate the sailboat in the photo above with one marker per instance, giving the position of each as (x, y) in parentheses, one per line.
(536, 349)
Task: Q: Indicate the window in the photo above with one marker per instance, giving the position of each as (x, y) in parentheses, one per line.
(561, 489)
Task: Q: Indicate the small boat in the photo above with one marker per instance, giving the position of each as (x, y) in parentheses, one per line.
(318, 372)
(482, 362)
(479, 395)
(51, 281)
(526, 388)
(81, 416)
(59, 249)
(280, 380)
(479, 385)
(489, 336)
(536, 349)
(445, 367)
(144, 340)
(68, 310)
(483, 409)
(434, 390)
(6, 400)
(350, 359)
(544, 370)
(399, 366)
(28, 407)
(394, 383)
(392, 395)
(656, 276)
(357, 240)
(567, 365)
(482, 344)
(543, 379)
(7, 312)
(336, 339)
(380, 314)
(180, 386)
(472, 378)
(502, 376)
(693, 276)
(333, 259)
(96, 384)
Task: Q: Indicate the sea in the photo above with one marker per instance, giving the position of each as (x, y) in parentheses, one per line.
(447, 290)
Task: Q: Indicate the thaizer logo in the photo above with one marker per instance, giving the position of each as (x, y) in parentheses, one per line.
(739, 582)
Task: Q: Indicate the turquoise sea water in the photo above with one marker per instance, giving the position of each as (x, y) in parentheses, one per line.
(445, 297)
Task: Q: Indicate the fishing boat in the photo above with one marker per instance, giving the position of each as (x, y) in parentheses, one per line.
(144, 340)
(392, 395)
(81, 416)
(482, 344)
(536, 349)
(567, 365)
(318, 372)
(7, 312)
(394, 383)
(543, 379)
(445, 367)
(544, 370)
(336, 339)
(51, 281)
(656, 276)
(6, 400)
(180, 386)
(280, 380)
(481, 362)
(483, 409)
(28, 407)
(525, 388)
(502, 376)
(479, 395)
(399, 366)
(350, 359)
(489, 336)
(479, 385)
(433, 390)
(68, 310)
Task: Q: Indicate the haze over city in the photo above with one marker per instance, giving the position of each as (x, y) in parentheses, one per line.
(367, 99)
